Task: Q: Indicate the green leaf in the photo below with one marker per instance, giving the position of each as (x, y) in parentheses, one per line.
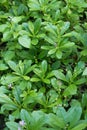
(34, 5)
(38, 72)
(17, 19)
(12, 65)
(84, 100)
(34, 79)
(84, 52)
(3, 27)
(70, 90)
(49, 40)
(25, 116)
(8, 107)
(44, 66)
(12, 125)
(76, 111)
(9, 79)
(25, 41)
(65, 27)
(31, 27)
(37, 25)
(59, 54)
(34, 41)
(5, 99)
(68, 45)
(54, 83)
(3, 67)
(85, 72)
(47, 81)
(56, 122)
(52, 51)
(80, 126)
(58, 74)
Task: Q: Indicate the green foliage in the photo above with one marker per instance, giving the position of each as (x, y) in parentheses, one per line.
(43, 64)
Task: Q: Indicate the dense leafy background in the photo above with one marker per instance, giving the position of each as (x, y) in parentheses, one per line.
(43, 64)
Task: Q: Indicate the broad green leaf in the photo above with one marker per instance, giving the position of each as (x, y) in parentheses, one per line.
(58, 74)
(70, 90)
(8, 107)
(3, 27)
(25, 41)
(17, 19)
(49, 40)
(34, 41)
(12, 65)
(84, 52)
(17, 93)
(3, 67)
(7, 35)
(54, 83)
(80, 126)
(76, 111)
(3, 90)
(38, 72)
(52, 51)
(9, 79)
(85, 72)
(56, 122)
(61, 113)
(59, 54)
(5, 99)
(52, 29)
(80, 81)
(25, 116)
(12, 125)
(8, 55)
(47, 81)
(65, 27)
(34, 5)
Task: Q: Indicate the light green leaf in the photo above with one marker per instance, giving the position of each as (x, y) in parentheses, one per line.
(31, 27)
(80, 126)
(25, 41)
(47, 81)
(34, 79)
(59, 54)
(85, 72)
(65, 27)
(3, 67)
(58, 74)
(25, 116)
(55, 121)
(17, 19)
(76, 111)
(12, 65)
(5, 99)
(52, 51)
(34, 41)
(12, 125)
(9, 79)
(68, 45)
(3, 27)
(70, 90)
(44, 66)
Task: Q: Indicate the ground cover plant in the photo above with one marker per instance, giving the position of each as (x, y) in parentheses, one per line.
(43, 64)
